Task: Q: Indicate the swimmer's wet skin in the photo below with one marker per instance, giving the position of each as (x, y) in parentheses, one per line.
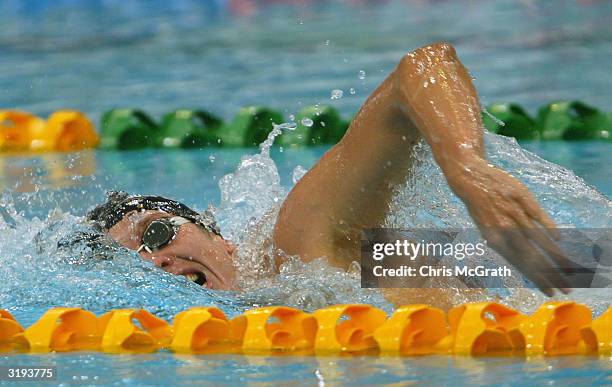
(429, 95)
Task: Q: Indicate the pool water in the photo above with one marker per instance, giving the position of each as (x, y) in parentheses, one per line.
(167, 369)
(192, 176)
(73, 183)
(157, 55)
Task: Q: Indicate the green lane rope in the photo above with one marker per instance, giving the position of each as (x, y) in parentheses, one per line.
(126, 128)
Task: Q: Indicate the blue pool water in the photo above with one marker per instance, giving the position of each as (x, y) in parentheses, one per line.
(157, 369)
(192, 176)
(33, 280)
(160, 55)
(157, 55)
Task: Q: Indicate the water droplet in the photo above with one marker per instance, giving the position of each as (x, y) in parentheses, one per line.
(291, 117)
(287, 126)
(306, 122)
(298, 173)
(327, 42)
(352, 91)
(495, 119)
(354, 269)
(336, 94)
(211, 158)
(362, 74)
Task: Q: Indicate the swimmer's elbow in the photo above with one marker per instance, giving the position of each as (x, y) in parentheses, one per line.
(431, 53)
(416, 67)
(421, 60)
(443, 49)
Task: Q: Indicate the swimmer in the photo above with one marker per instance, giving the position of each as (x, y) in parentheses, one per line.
(429, 95)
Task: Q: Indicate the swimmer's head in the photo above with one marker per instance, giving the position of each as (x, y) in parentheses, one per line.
(193, 246)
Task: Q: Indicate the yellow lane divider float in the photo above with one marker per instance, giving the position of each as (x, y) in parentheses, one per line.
(201, 329)
(347, 328)
(414, 330)
(64, 131)
(60, 329)
(132, 330)
(9, 328)
(477, 329)
(274, 329)
(486, 328)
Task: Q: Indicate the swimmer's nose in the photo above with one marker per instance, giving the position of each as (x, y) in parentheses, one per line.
(161, 261)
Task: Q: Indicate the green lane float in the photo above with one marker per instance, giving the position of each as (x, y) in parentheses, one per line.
(572, 120)
(250, 127)
(188, 129)
(125, 129)
(316, 125)
(510, 120)
(472, 329)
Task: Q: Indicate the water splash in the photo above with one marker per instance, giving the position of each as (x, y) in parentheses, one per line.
(426, 201)
(491, 116)
(307, 122)
(251, 198)
(41, 266)
(298, 173)
(252, 190)
(336, 94)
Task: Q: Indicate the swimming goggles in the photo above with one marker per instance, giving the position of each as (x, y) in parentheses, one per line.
(161, 232)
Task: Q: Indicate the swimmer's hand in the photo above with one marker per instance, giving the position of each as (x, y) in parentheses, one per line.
(512, 222)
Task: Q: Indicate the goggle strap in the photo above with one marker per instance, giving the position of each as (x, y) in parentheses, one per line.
(144, 247)
(179, 220)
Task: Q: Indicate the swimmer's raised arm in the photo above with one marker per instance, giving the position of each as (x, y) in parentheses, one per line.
(430, 94)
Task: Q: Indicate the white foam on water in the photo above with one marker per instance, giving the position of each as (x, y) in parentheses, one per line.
(36, 274)
(251, 197)
(424, 201)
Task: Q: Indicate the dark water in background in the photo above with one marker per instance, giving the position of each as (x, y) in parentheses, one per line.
(158, 55)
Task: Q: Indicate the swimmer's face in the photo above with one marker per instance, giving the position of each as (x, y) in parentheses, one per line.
(194, 253)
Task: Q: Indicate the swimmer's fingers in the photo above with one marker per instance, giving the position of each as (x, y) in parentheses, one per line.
(535, 212)
(543, 241)
(539, 268)
(520, 252)
(512, 246)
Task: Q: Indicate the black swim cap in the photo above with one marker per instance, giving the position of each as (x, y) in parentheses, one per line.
(120, 203)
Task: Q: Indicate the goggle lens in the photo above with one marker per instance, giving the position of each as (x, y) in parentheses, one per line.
(158, 234)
